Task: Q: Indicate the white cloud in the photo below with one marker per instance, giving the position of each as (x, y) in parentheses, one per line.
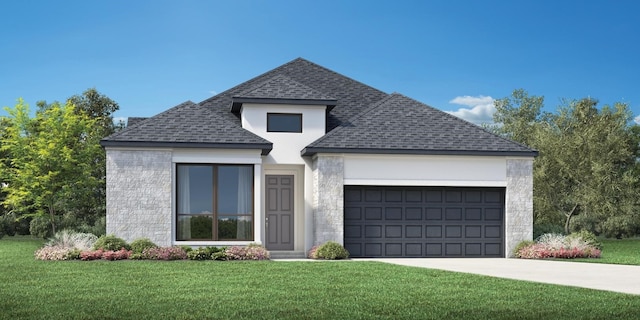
(479, 110)
(637, 119)
(213, 92)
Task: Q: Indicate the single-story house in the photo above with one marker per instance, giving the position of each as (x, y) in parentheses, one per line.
(301, 155)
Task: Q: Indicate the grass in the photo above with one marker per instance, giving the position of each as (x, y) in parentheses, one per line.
(625, 251)
(31, 289)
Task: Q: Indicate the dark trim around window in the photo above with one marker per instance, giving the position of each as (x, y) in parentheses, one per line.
(284, 122)
(218, 215)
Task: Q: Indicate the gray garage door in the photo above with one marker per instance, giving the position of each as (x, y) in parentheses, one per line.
(423, 221)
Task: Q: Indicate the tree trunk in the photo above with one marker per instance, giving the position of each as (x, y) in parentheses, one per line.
(52, 214)
(569, 215)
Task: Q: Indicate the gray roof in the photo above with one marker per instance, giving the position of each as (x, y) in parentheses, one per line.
(364, 119)
(187, 125)
(401, 125)
(134, 120)
(282, 89)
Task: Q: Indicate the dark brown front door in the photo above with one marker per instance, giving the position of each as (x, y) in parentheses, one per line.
(279, 220)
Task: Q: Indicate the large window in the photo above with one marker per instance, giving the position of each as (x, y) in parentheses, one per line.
(214, 202)
(284, 122)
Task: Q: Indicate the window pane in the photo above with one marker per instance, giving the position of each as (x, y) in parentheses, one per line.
(284, 122)
(195, 227)
(235, 190)
(235, 228)
(195, 189)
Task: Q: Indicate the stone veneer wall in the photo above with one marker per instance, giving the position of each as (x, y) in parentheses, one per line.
(328, 199)
(139, 195)
(519, 203)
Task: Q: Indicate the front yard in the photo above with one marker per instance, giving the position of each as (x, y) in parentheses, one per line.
(34, 289)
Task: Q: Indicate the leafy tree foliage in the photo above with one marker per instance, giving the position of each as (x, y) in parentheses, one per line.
(49, 160)
(587, 170)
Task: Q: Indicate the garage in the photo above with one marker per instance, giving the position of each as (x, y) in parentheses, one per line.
(392, 221)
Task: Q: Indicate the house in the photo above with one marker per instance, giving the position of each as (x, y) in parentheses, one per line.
(301, 155)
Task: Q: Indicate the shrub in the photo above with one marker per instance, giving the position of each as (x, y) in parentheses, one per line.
(558, 246)
(587, 237)
(164, 253)
(110, 255)
(53, 253)
(138, 245)
(207, 253)
(313, 253)
(250, 252)
(72, 240)
(111, 242)
(40, 227)
(7, 225)
(332, 251)
(520, 245)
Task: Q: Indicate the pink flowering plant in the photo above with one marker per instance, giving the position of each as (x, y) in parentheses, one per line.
(558, 246)
(250, 252)
(164, 253)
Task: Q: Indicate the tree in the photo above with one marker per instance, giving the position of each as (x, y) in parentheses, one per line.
(51, 159)
(88, 209)
(586, 171)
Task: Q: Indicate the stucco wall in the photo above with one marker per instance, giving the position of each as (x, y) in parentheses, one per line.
(519, 203)
(139, 195)
(328, 199)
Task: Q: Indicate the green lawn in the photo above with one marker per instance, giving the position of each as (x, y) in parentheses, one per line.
(278, 290)
(625, 251)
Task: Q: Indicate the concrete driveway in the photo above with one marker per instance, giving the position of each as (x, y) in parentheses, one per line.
(610, 277)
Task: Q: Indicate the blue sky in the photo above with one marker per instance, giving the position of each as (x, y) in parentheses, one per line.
(151, 55)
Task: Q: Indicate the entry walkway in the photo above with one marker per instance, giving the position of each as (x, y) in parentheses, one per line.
(610, 277)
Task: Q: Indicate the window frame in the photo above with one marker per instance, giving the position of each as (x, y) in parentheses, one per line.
(214, 202)
(275, 114)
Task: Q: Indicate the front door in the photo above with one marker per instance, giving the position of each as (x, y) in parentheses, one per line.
(279, 212)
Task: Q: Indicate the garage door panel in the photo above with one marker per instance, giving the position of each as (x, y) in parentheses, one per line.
(373, 249)
(424, 221)
(434, 213)
(473, 249)
(351, 231)
(453, 214)
(412, 213)
(453, 232)
(434, 231)
(351, 213)
(393, 214)
(393, 249)
(413, 231)
(373, 213)
(374, 232)
(393, 231)
(434, 249)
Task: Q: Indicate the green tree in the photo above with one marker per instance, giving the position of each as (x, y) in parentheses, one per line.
(586, 172)
(51, 159)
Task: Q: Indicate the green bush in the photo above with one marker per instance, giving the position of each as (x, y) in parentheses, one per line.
(7, 225)
(205, 253)
(588, 237)
(520, 245)
(138, 245)
(41, 227)
(111, 242)
(332, 251)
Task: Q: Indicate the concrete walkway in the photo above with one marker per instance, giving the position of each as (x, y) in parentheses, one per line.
(610, 277)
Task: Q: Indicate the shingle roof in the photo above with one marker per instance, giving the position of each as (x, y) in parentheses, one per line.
(282, 89)
(364, 120)
(400, 125)
(187, 125)
(352, 96)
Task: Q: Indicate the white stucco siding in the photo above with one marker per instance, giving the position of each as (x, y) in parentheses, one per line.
(286, 145)
(425, 170)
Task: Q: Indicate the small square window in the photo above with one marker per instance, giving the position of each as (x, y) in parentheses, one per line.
(284, 122)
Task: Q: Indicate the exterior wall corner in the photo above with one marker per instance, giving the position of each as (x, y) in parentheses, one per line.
(519, 203)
